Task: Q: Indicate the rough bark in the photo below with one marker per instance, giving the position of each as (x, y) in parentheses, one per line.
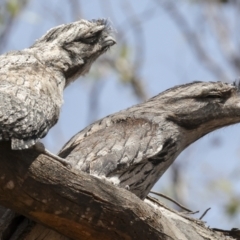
(79, 206)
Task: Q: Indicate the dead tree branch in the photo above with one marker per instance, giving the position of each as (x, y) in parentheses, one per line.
(80, 206)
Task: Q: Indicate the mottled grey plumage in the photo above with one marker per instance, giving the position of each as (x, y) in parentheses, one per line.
(134, 147)
(32, 80)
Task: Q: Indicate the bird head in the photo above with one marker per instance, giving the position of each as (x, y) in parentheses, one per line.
(72, 48)
(201, 107)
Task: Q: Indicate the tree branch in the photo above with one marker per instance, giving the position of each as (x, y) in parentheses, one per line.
(80, 206)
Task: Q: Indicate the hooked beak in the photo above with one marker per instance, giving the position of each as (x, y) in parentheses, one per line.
(108, 42)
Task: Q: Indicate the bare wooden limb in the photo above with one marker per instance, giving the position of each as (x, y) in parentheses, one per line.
(80, 206)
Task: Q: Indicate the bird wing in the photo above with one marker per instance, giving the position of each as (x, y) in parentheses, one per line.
(108, 147)
(26, 112)
(129, 149)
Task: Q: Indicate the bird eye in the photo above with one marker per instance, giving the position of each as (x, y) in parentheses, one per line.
(218, 96)
(213, 96)
(214, 93)
(89, 40)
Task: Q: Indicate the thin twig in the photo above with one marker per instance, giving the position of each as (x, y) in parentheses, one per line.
(204, 213)
(192, 212)
(170, 199)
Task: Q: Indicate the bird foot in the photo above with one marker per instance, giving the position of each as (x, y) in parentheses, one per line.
(41, 148)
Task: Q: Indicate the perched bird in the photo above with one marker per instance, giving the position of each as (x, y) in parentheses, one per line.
(32, 80)
(134, 147)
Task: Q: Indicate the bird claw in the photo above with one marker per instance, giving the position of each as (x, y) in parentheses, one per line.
(41, 148)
